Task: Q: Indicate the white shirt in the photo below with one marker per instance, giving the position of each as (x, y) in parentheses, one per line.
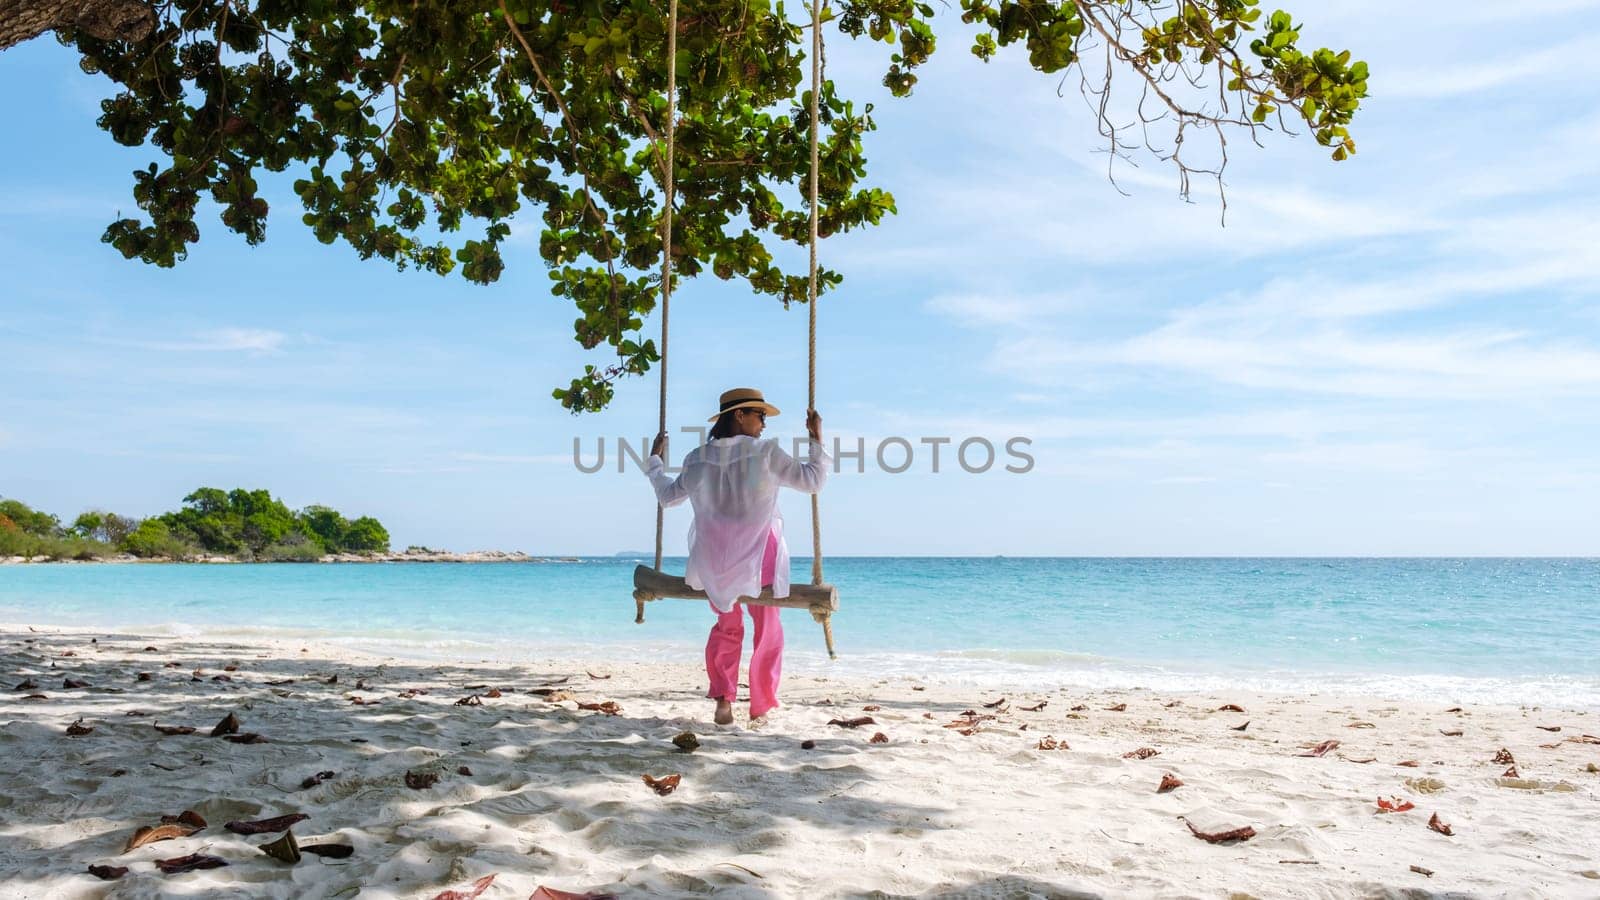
(732, 483)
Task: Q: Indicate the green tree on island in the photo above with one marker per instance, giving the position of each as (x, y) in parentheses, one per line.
(247, 524)
(406, 122)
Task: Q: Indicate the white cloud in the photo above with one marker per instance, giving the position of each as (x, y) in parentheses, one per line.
(1399, 457)
(988, 309)
(515, 459)
(1462, 365)
(254, 341)
(1574, 59)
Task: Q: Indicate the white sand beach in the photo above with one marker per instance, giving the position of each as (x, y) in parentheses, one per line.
(537, 790)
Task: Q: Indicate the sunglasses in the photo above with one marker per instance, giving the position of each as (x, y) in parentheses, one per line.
(756, 412)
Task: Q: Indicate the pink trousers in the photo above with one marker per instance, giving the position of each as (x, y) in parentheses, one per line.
(726, 643)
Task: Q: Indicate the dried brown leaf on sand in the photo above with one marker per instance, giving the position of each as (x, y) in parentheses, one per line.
(1361, 761)
(1120, 707)
(1048, 742)
(1240, 727)
(36, 697)
(1081, 707)
(228, 725)
(108, 873)
(871, 707)
(149, 834)
(1036, 707)
(1511, 772)
(1453, 709)
(78, 729)
(686, 741)
(187, 817)
(1395, 804)
(1408, 763)
(27, 684)
(175, 729)
(1242, 833)
(1428, 873)
(879, 738)
(249, 737)
(1451, 732)
(856, 722)
(1583, 739)
(594, 676)
(1169, 782)
(1319, 749)
(492, 694)
(285, 849)
(545, 893)
(73, 684)
(1548, 727)
(421, 781)
(331, 851)
(1361, 725)
(470, 700)
(663, 785)
(478, 887)
(1230, 707)
(1141, 753)
(608, 707)
(808, 745)
(1440, 826)
(996, 704)
(1504, 758)
(190, 863)
(266, 826)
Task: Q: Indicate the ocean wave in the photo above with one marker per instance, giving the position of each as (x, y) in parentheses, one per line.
(1051, 670)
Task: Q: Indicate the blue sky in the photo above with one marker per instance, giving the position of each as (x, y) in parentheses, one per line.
(1395, 355)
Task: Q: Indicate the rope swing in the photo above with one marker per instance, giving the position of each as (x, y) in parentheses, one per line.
(653, 584)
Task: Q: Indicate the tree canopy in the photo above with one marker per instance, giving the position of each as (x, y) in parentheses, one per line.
(416, 130)
(247, 524)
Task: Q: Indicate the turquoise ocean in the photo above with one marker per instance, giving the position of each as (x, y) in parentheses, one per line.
(1517, 631)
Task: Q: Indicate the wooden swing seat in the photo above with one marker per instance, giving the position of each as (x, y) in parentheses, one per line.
(821, 599)
(651, 584)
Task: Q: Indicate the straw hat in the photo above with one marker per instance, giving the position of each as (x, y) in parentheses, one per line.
(743, 398)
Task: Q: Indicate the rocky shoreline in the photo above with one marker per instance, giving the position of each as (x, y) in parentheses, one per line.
(402, 556)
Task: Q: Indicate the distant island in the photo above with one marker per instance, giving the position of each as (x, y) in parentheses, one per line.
(213, 525)
(217, 526)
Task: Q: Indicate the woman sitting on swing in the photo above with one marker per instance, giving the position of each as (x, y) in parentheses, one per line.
(736, 544)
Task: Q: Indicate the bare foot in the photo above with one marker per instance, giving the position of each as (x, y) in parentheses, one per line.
(724, 714)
